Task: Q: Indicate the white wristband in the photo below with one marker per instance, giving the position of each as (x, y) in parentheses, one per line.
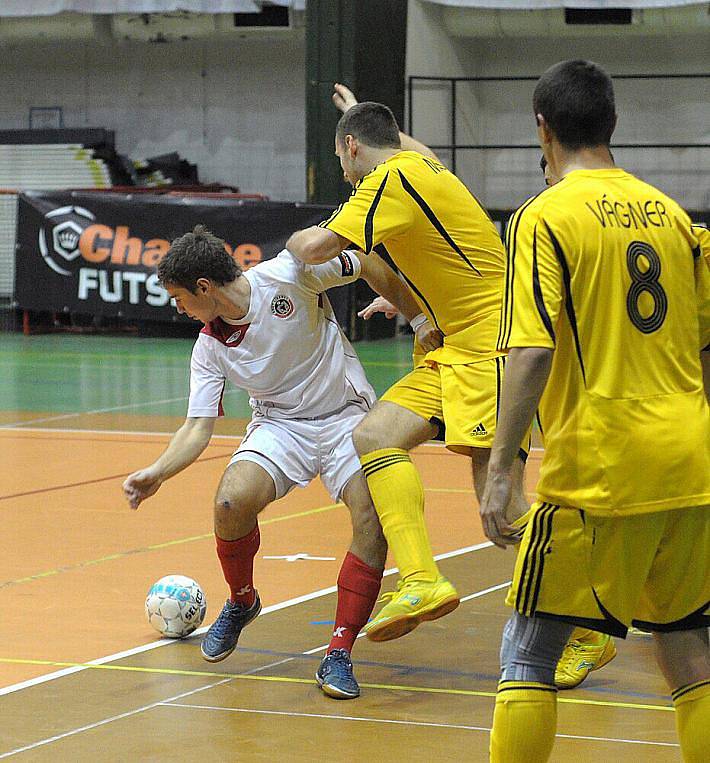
(417, 321)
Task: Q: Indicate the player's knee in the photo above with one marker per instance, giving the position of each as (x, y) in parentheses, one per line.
(235, 507)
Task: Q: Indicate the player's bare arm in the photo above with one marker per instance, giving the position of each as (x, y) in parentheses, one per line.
(382, 279)
(315, 245)
(343, 98)
(526, 373)
(185, 447)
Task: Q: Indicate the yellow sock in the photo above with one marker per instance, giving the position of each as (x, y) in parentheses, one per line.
(524, 722)
(398, 496)
(692, 720)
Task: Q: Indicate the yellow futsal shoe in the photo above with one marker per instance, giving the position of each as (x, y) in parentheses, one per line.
(411, 604)
(580, 658)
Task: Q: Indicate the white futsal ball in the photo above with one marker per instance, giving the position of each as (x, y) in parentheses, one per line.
(175, 606)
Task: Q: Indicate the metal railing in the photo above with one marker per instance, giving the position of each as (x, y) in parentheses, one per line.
(454, 147)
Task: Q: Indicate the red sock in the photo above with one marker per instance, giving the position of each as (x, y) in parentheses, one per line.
(358, 588)
(237, 560)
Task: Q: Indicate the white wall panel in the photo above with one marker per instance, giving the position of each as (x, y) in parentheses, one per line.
(649, 112)
(237, 109)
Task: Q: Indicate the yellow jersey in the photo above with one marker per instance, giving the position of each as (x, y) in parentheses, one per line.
(703, 236)
(604, 269)
(443, 243)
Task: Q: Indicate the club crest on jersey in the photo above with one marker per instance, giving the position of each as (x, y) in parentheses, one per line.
(282, 306)
(235, 337)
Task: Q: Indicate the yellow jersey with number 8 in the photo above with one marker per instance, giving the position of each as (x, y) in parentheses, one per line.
(607, 270)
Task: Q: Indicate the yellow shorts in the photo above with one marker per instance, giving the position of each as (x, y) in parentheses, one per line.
(462, 400)
(647, 570)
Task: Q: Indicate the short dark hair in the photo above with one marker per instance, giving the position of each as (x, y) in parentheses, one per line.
(371, 123)
(577, 100)
(199, 254)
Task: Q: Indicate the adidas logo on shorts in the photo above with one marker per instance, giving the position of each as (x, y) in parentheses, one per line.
(479, 430)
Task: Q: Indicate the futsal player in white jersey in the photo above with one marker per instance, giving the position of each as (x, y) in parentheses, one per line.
(271, 331)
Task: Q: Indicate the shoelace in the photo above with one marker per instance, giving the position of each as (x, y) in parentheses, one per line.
(226, 616)
(577, 650)
(339, 663)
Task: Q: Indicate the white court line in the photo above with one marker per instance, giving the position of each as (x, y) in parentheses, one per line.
(104, 721)
(485, 591)
(59, 417)
(122, 432)
(168, 702)
(16, 427)
(165, 641)
(127, 714)
(396, 722)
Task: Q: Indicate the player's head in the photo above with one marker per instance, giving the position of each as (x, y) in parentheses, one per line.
(196, 264)
(366, 125)
(573, 103)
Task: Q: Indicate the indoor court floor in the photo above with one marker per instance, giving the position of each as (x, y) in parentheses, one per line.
(83, 677)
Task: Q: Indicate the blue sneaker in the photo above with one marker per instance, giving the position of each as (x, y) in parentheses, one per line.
(221, 638)
(335, 675)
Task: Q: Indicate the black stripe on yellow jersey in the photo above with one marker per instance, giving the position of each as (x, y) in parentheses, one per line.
(434, 220)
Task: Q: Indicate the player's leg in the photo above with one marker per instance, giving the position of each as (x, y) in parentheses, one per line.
(399, 422)
(675, 608)
(382, 440)
(525, 716)
(359, 583)
(684, 659)
(368, 542)
(565, 557)
(245, 490)
(586, 650)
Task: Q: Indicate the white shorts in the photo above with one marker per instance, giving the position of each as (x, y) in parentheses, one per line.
(295, 451)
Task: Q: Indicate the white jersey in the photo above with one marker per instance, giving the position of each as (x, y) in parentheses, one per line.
(288, 352)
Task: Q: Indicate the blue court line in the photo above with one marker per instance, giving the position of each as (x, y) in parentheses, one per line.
(400, 669)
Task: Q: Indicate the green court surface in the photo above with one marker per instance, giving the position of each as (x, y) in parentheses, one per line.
(67, 373)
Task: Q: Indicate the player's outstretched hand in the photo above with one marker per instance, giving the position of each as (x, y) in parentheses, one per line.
(378, 305)
(428, 336)
(343, 97)
(139, 486)
(495, 500)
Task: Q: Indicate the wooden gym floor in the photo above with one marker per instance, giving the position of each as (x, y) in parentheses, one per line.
(84, 678)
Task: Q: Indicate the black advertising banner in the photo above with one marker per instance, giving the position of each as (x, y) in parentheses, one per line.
(96, 253)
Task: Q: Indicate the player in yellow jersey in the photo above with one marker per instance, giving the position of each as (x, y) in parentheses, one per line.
(587, 649)
(703, 235)
(407, 205)
(604, 332)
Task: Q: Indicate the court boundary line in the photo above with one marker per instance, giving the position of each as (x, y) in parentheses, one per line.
(111, 409)
(165, 642)
(127, 714)
(67, 430)
(398, 722)
(171, 701)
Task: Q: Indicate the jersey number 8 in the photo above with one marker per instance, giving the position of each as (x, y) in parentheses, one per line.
(645, 281)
